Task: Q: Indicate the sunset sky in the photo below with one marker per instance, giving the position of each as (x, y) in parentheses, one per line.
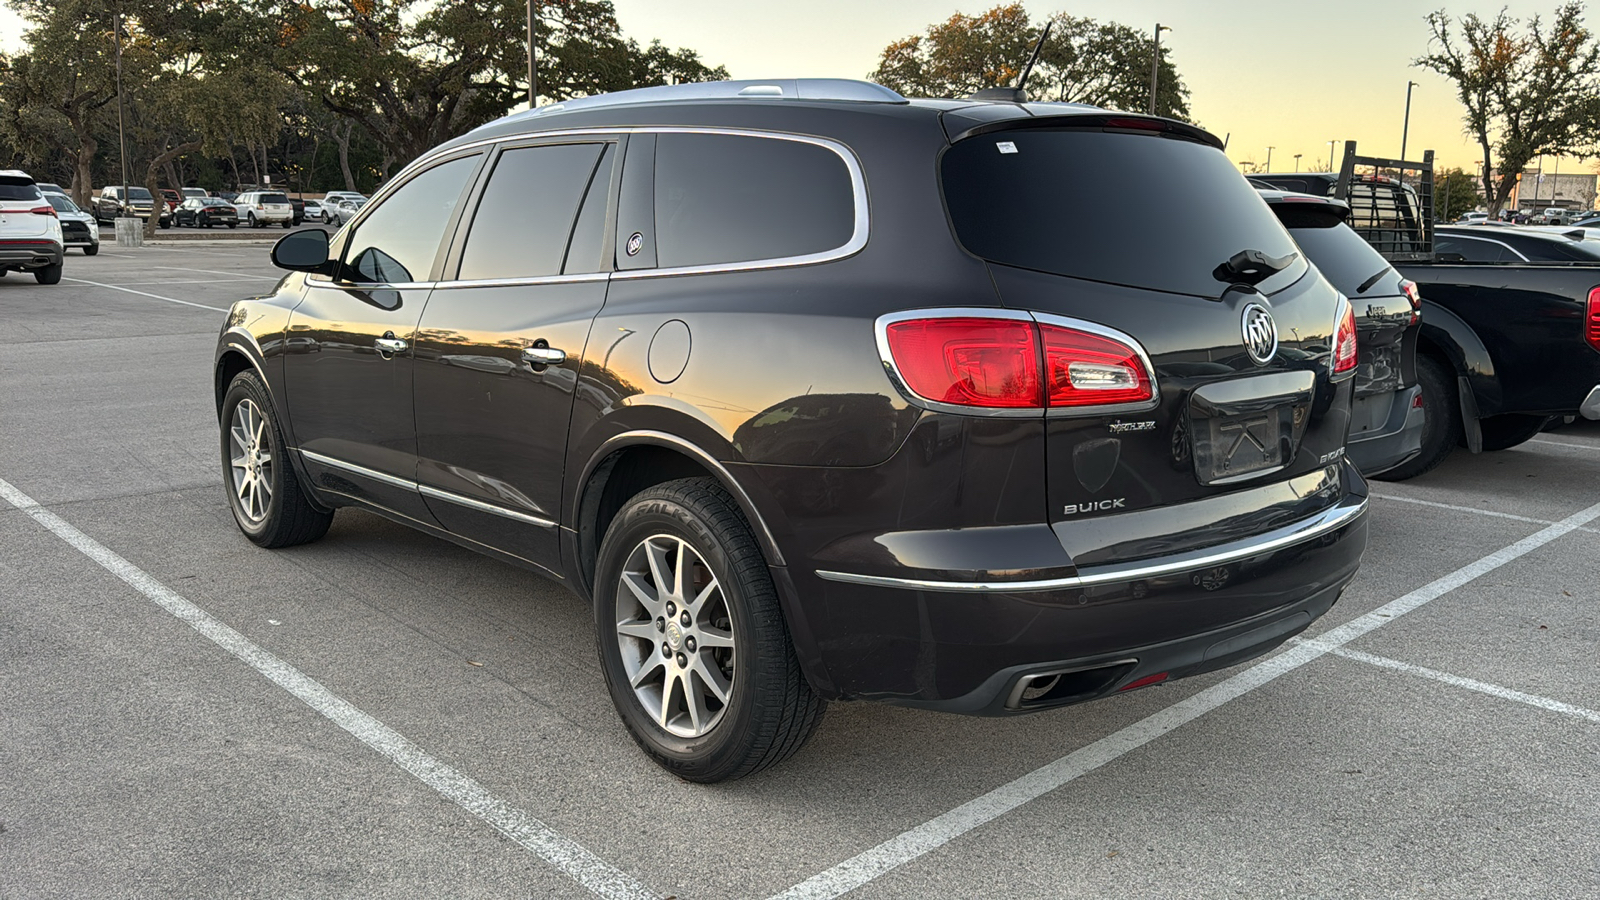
(1293, 75)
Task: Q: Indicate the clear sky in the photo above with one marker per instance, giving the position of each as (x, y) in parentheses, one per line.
(1293, 75)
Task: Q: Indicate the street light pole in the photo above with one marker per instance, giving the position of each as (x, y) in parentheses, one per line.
(533, 64)
(1330, 154)
(1297, 162)
(122, 143)
(1406, 128)
(1269, 158)
(1155, 67)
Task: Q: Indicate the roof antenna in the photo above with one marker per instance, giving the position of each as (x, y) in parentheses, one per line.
(1017, 94)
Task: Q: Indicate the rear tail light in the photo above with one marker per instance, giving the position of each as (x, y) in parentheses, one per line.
(1344, 338)
(1409, 288)
(46, 210)
(1591, 330)
(988, 362)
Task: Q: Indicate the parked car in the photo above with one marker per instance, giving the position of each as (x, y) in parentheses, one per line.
(336, 196)
(111, 205)
(342, 210)
(172, 197)
(1473, 218)
(1057, 469)
(204, 212)
(195, 192)
(46, 187)
(1386, 416)
(299, 208)
(78, 228)
(313, 211)
(1454, 244)
(30, 233)
(261, 208)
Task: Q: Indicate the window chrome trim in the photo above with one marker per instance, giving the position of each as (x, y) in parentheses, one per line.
(1322, 523)
(518, 282)
(881, 333)
(363, 471)
(480, 506)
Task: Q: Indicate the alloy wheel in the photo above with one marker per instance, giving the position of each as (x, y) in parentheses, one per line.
(676, 636)
(250, 461)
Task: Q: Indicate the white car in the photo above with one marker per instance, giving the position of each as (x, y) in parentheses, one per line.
(30, 233)
(313, 211)
(1473, 218)
(194, 192)
(261, 208)
(341, 211)
(331, 200)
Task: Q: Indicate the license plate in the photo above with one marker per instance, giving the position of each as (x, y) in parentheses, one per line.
(1231, 447)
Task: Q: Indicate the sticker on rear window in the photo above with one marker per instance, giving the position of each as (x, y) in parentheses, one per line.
(1005, 147)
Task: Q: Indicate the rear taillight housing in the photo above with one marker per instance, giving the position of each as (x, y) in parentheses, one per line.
(1409, 288)
(46, 210)
(1344, 338)
(1014, 363)
(1591, 319)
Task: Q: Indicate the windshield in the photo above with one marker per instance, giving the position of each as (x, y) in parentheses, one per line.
(1076, 202)
(138, 193)
(61, 203)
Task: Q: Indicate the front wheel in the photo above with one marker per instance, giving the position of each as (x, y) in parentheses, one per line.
(693, 644)
(1441, 426)
(268, 502)
(1506, 431)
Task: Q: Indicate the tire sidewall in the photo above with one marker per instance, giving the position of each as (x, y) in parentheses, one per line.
(246, 386)
(726, 742)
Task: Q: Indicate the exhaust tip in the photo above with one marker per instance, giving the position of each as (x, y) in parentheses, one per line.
(1059, 687)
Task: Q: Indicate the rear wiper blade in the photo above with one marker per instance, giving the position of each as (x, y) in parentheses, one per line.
(1374, 279)
(1251, 267)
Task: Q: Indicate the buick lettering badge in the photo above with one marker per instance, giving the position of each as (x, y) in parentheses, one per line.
(1260, 333)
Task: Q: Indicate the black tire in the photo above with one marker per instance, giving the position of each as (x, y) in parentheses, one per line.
(770, 709)
(1441, 426)
(288, 225)
(252, 221)
(233, 225)
(49, 274)
(91, 250)
(289, 518)
(1509, 430)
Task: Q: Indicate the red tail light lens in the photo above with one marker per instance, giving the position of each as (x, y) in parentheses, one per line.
(1591, 331)
(990, 363)
(1409, 288)
(1085, 369)
(46, 210)
(1344, 339)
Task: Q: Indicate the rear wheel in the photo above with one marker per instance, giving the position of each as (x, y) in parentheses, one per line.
(268, 502)
(693, 645)
(48, 274)
(288, 224)
(1441, 426)
(1509, 430)
(91, 250)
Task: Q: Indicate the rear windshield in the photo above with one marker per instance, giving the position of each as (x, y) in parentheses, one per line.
(1079, 203)
(1348, 262)
(274, 198)
(61, 203)
(11, 189)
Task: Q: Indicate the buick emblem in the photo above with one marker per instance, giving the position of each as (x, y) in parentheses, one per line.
(635, 243)
(1260, 333)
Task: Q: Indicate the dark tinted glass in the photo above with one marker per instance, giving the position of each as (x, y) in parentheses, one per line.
(1564, 250)
(589, 234)
(61, 203)
(273, 198)
(398, 241)
(525, 216)
(725, 198)
(138, 193)
(1077, 202)
(1473, 250)
(11, 190)
(1347, 261)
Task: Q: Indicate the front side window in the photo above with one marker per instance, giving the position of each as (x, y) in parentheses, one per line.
(722, 198)
(525, 216)
(397, 242)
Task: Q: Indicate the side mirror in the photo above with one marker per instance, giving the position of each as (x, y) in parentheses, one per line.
(302, 251)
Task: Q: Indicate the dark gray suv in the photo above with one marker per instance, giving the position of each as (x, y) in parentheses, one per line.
(817, 393)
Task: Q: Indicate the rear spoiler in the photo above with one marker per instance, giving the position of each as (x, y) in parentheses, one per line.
(987, 118)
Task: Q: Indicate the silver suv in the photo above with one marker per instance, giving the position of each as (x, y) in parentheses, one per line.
(259, 208)
(30, 233)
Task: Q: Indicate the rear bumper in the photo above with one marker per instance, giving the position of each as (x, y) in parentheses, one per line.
(978, 645)
(30, 254)
(1397, 440)
(1590, 407)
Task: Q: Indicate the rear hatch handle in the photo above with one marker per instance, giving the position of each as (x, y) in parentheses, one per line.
(1251, 267)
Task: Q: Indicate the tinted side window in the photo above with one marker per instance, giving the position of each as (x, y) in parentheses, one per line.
(588, 236)
(397, 242)
(525, 216)
(1347, 261)
(1473, 250)
(728, 198)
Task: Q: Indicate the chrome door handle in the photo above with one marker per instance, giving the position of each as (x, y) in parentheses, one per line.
(390, 345)
(544, 356)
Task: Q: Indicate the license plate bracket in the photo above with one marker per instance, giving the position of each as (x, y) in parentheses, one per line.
(1248, 427)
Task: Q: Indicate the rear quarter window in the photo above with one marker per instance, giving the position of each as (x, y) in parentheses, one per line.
(723, 198)
(1347, 261)
(1076, 202)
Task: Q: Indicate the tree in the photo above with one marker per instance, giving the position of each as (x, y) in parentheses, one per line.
(1454, 193)
(1083, 61)
(1527, 91)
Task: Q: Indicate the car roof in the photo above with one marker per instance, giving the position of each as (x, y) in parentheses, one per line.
(1552, 234)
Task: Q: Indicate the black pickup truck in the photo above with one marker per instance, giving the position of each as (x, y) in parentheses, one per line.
(1504, 347)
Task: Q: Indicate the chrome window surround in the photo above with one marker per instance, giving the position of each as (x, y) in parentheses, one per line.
(858, 186)
(425, 490)
(881, 332)
(1322, 523)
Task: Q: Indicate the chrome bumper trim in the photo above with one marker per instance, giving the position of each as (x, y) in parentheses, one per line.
(1328, 520)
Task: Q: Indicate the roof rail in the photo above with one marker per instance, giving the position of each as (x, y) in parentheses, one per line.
(781, 88)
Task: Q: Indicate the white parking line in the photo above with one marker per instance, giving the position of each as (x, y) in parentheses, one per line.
(566, 855)
(1473, 509)
(935, 833)
(1565, 444)
(217, 272)
(1482, 687)
(143, 294)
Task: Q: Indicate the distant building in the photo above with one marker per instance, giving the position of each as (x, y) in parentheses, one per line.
(1569, 190)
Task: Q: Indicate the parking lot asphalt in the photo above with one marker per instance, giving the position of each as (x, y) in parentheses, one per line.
(383, 714)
